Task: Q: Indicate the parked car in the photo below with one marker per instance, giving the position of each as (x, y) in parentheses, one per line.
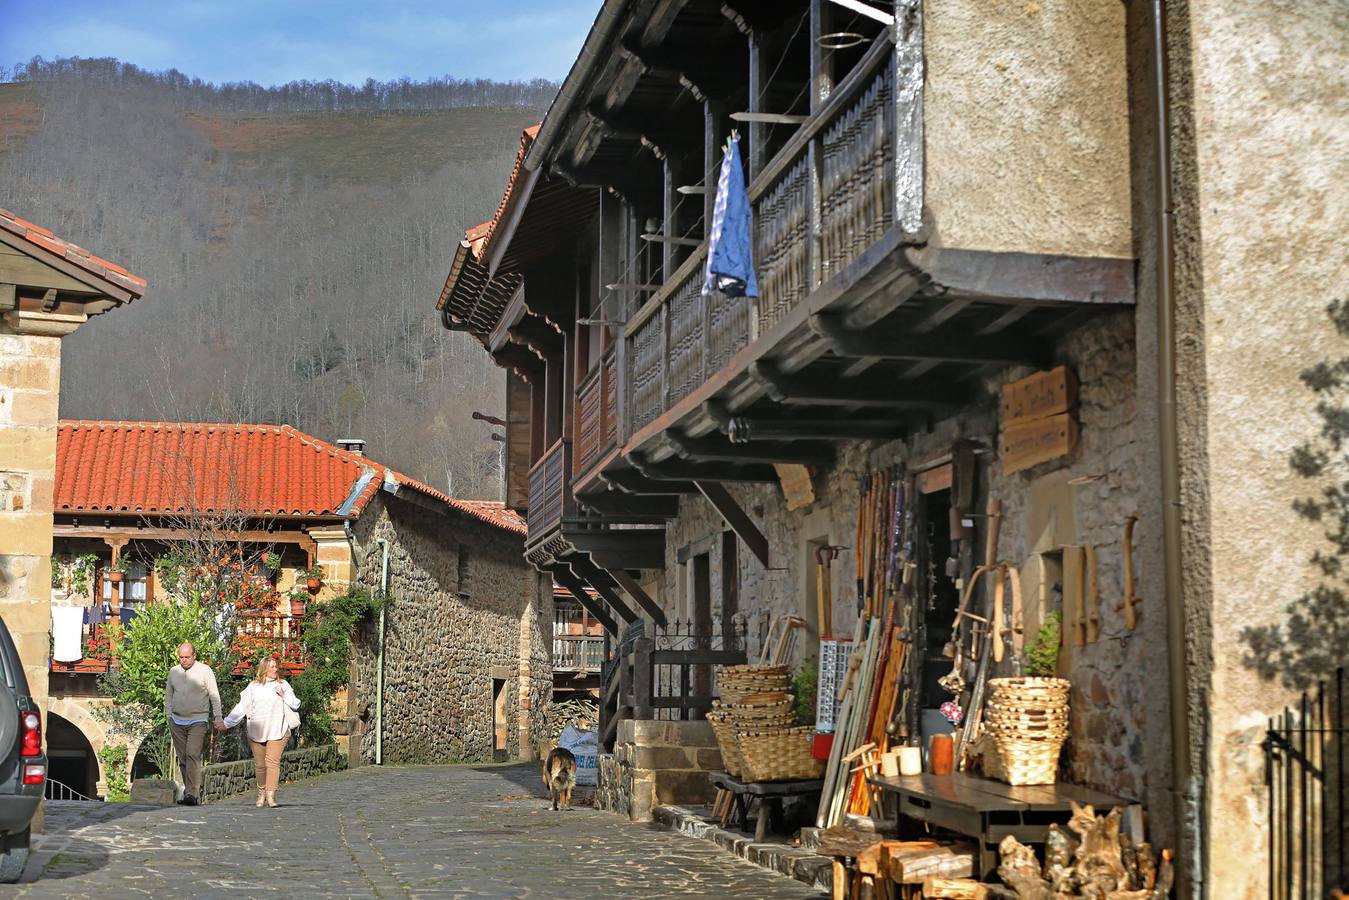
(23, 770)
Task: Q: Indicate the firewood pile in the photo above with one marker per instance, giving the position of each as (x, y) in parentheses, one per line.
(584, 714)
(1100, 862)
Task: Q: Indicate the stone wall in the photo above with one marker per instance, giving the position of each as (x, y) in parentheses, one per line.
(655, 764)
(221, 780)
(465, 610)
(1110, 720)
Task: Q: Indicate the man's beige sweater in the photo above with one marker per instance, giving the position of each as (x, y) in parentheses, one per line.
(191, 694)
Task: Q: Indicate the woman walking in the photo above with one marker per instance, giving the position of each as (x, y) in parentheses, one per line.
(269, 704)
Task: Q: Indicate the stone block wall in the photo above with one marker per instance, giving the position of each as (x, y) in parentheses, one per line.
(655, 764)
(221, 780)
(465, 610)
(1114, 732)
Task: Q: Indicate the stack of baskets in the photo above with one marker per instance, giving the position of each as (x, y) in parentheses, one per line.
(753, 725)
(1028, 720)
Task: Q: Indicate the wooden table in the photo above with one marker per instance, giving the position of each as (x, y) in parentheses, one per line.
(987, 810)
(768, 793)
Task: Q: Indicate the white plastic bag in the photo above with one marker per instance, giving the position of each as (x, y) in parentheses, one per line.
(585, 746)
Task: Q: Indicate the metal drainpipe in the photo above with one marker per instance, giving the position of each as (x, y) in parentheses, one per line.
(1183, 786)
(379, 654)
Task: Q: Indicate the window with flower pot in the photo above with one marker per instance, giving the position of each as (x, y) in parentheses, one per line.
(135, 587)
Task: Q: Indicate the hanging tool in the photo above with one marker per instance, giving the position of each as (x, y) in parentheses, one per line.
(1074, 600)
(860, 557)
(1129, 605)
(824, 588)
(1091, 596)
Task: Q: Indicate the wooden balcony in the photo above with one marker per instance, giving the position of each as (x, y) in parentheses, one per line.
(578, 653)
(805, 230)
(549, 491)
(596, 415)
(274, 634)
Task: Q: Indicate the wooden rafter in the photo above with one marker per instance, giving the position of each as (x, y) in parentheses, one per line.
(574, 586)
(591, 574)
(872, 392)
(881, 343)
(715, 450)
(634, 590)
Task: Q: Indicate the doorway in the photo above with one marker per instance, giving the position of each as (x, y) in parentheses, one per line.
(70, 757)
(500, 727)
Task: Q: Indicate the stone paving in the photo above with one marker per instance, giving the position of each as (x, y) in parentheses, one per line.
(423, 831)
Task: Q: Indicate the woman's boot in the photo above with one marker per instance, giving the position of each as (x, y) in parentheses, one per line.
(262, 795)
(271, 799)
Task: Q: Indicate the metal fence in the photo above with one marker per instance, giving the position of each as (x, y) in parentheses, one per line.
(1304, 776)
(55, 790)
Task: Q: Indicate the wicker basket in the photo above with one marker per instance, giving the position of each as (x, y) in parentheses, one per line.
(723, 729)
(781, 712)
(778, 754)
(735, 683)
(1028, 721)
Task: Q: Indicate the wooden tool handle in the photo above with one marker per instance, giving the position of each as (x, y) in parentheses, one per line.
(1130, 602)
(994, 531)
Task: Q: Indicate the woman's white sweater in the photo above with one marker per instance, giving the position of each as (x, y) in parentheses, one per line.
(264, 710)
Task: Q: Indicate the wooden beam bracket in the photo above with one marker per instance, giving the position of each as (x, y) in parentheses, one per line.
(736, 518)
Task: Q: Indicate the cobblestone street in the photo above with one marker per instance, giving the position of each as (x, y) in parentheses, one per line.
(458, 831)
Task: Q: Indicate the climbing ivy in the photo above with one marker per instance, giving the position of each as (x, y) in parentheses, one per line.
(114, 757)
(326, 632)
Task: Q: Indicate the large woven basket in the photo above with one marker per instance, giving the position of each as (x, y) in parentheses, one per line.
(778, 754)
(780, 712)
(1028, 720)
(723, 729)
(735, 683)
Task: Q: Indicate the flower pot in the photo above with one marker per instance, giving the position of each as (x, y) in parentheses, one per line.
(115, 577)
(296, 608)
(313, 584)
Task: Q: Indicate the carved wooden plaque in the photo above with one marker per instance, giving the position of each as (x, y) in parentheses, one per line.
(1038, 396)
(1031, 443)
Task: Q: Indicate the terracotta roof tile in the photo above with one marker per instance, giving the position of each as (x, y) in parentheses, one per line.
(36, 234)
(481, 235)
(177, 468)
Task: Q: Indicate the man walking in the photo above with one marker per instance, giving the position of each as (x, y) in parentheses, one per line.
(191, 700)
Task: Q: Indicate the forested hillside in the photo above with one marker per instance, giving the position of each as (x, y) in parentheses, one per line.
(295, 240)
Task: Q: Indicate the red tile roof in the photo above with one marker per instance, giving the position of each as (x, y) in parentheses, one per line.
(177, 468)
(41, 237)
(481, 235)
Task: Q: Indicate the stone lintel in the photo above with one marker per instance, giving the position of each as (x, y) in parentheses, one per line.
(43, 324)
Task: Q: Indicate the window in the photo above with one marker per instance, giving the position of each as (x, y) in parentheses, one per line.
(134, 586)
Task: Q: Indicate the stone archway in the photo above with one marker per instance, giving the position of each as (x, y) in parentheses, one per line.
(80, 717)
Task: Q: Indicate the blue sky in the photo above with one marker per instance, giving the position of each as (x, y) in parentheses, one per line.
(275, 41)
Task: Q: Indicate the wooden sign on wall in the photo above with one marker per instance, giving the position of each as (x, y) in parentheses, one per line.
(1038, 423)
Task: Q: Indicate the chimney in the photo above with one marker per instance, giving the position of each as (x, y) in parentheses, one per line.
(352, 445)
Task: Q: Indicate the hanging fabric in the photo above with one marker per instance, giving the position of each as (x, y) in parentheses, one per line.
(730, 262)
(67, 622)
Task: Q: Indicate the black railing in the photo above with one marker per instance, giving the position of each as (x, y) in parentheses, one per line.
(1304, 777)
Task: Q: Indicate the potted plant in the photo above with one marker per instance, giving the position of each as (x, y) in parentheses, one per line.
(298, 598)
(116, 571)
(313, 578)
(273, 562)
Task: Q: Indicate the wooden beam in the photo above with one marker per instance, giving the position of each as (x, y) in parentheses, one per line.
(714, 450)
(636, 483)
(938, 317)
(576, 588)
(736, 519)
(962, 348)
(681, 470)
(593, 575)
(742, 429)
(872, 392)
(643, 548)
(619, 503)
(634, 590)
(1046, 278)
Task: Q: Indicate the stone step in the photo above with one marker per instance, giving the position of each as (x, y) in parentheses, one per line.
(776, 855)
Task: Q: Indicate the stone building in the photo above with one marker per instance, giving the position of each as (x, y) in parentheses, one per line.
(1071, 258)
(48, 288)
(126, 493)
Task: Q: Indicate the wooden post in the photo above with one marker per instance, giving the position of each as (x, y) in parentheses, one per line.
(758, 131)
(641, 678)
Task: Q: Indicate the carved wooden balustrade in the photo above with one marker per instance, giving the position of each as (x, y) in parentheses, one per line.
(549, 490)
(596, 413)
(818, 204)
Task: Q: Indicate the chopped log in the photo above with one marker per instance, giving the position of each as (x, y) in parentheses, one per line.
(1020, 870)
(1100, 868)
(912, 862)
(839, 889)
(1060, 859)
(842, 841)
(956, 889)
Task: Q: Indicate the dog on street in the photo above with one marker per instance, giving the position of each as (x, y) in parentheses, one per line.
(559, 775)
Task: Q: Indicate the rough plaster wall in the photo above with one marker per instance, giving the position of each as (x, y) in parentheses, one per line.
(1111, 722)
(1263, 151)
(441, 648)
(1026, 125)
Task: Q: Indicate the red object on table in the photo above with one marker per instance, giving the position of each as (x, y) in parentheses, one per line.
(941, 754)
(820, 745)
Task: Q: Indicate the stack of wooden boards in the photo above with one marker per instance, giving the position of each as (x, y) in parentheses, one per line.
(872, 712)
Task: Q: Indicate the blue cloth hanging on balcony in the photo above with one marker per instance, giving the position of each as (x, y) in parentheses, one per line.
(730, 257)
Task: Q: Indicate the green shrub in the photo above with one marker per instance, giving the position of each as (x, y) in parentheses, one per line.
(1042, 656)
(114, 757)
(805, 683)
